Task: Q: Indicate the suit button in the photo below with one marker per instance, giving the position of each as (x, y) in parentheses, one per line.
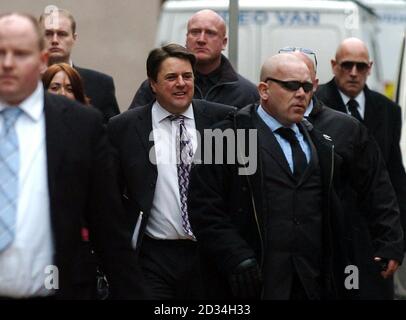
(152, 185)
(296, 221)
(244, 189)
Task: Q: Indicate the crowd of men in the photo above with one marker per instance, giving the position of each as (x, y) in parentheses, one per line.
(169, 215)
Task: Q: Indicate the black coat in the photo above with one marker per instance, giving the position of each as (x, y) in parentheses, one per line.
(384, 122)
(227, 214)
(364, 173)
(82, 183)
(99, 87)
(129, 134)
(232, 89)
(372, 213)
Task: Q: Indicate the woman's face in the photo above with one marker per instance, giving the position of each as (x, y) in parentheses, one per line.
(60, 84)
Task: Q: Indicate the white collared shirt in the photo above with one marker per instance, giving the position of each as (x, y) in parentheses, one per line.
(360, 98)
(165, 221)
(23, 263)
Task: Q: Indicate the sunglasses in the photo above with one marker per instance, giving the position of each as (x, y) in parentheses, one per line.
(348, 65)
(292, 85)
(307, 51)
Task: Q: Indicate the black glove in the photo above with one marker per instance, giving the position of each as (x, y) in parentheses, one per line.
(246, 280)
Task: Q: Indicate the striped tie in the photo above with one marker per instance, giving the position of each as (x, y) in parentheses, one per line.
(9, 165)
(184, 152)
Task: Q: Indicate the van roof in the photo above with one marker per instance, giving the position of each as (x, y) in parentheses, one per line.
(260, 4)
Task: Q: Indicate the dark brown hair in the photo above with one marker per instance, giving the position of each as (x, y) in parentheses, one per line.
(158, 55)
(74, 78)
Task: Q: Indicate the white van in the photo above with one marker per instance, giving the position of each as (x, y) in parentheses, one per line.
(391, 26)
(266, 26)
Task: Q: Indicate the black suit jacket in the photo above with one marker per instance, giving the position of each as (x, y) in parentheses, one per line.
(228, 211)
(82, 183)
(130, 136)
(99, 87)
(384, 122)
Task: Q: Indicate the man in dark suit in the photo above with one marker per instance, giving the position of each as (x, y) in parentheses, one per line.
(60, 35)
(56, 166)
(347, 92)
(273, 234)
(156, 144)
(215, 78)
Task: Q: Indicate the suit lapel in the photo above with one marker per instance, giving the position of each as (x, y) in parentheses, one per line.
(313, 153)
(269, 144)
(202, 121)
(324, 148)
(57, 134)
(373, 113)
(337, 101)
(202, 118)
(143, 128)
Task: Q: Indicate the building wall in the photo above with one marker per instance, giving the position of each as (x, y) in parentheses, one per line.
(114, 37)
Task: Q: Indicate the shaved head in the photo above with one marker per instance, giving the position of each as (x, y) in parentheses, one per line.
(307, 60)
(280, 64)
(214, 17)
(352, 45)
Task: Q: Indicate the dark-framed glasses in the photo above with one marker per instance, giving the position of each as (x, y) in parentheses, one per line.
(306, 51)
(292, 85)
(348, 65)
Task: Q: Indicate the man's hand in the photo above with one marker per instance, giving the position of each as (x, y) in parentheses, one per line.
(246, 280)
(388, 267)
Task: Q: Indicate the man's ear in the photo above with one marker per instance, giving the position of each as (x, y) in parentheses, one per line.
(152, 84)
(225, 40)
(44, 61)
(370, 67)
(315, 84)
(75, 36)
(263, 90)
(334, 66)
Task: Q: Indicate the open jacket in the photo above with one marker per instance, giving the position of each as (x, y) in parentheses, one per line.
(227, 211)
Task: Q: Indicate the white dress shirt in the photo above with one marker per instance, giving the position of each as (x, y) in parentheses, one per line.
(165, 221)
(23, 263)
(360, 98)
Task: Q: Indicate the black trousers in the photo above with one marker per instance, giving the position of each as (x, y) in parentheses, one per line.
(171, 269)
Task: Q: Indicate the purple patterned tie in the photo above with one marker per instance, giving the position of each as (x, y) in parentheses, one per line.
(184, 156)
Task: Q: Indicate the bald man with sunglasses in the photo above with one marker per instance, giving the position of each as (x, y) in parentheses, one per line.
(373, 230)
(275, 233)
(380, 115)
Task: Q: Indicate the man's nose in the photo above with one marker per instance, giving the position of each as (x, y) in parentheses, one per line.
(8, 60)
(354, 70)
(300, 92)
(180, 81)
(201, 37)
(55, 38)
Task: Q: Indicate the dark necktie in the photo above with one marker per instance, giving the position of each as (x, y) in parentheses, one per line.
(353, 108)
(299, 157)
(184, 156)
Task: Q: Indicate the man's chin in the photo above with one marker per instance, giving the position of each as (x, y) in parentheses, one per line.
(53, 59)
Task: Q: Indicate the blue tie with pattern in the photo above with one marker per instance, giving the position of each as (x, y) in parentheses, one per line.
(184, 153)
(9, 166)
